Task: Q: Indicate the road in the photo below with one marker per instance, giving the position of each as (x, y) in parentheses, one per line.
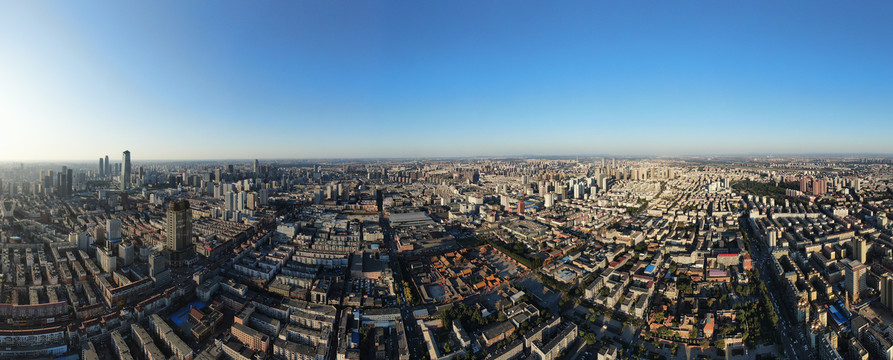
(413, 336)
(792, 333)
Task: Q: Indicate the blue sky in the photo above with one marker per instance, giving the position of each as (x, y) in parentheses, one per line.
(311, 79)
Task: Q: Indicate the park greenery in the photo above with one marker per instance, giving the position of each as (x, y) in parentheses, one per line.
(758, 318)
(770, 189)
(470, 317)
(516, 251)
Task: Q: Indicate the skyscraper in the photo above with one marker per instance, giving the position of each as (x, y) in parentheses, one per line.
(241, 200)
(886, 289)
(178, 228)
(229, 201)
(113, 230)
(108, 167)
(256, 166)
(62, 187)
(101, 168)
(69, 175)
(125, 170)
(860, 250)
(855, 273)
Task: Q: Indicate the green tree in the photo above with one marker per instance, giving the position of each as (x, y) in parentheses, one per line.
(407, 293)
(590, 338)
(664, 332)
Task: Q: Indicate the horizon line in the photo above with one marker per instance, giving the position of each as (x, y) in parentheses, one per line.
(520, 156)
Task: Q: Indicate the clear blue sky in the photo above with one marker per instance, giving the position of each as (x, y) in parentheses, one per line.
(309, 79)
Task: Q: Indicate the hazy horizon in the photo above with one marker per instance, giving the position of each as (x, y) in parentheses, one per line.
(520, 156)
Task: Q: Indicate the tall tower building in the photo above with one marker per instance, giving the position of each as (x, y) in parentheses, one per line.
(101, 168)
(125, 170)
(113, 230)
(885, 286)
(256, 166)
(69, 189)
(62, 187)
(855, 274)
(819, 187)
(860, 250)
(229, 201)
(108, 167)
(178, 228)
(262, 197)
(241, 200)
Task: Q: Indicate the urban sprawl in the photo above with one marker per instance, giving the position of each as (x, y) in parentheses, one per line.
(501, 258)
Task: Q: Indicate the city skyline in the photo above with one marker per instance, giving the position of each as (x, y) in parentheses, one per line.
(406, 180)
(534, 258)
(403, 80)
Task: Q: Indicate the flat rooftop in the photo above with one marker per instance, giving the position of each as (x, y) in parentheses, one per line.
(410, 219)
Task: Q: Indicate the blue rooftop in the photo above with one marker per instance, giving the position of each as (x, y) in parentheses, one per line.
(649, 269)
(839, 313)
